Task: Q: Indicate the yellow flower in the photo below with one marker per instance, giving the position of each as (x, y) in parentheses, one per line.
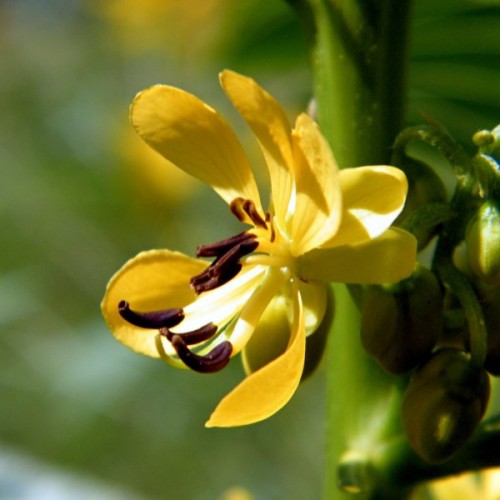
(155, 181)
(483, 485)
(266, 289)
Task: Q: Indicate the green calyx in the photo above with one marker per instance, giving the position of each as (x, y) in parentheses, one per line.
(401, 323)
(443, 404)
(425, 202)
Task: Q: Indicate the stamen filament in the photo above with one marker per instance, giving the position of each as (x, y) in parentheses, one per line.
(270, 260)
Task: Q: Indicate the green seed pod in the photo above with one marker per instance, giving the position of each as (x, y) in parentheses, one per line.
(443, 404)
(483, 242)
(401, 323)
(424, 186)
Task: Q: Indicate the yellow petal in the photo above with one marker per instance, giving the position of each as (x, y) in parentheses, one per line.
(197, 139)
(154, 280)
(386, 259)
(267, 390)
(318, 199)
(373, 197)
(270, 339)
(268, 121)
(314, 296)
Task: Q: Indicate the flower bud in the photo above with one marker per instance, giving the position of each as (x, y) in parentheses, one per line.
(401, 323)
(424, 186)
(483, 242)
(488, 142)
(443, 404)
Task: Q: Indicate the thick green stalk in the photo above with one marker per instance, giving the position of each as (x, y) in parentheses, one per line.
(362, 407)
(359, 61)
(359, 70)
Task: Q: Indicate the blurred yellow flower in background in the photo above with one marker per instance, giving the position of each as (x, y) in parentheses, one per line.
(484, 485)
(266, 289)
(177, 26)
(152, 176)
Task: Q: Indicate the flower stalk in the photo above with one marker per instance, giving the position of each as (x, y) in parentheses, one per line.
(360, 70)
(359, 62)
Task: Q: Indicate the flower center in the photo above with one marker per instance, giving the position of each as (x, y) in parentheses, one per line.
(272, 250)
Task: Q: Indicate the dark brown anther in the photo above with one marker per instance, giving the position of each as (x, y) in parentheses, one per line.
(154, 319)
(255, 217)
(232, 256)
(194, 336)
(214, 361)
(225, 267)
(244, 209)
(272, 238)
(206, 281)
(236, 207)
(219, 248)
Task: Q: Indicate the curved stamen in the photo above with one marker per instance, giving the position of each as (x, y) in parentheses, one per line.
(242, 209)
(209, 281)
(154, 319)
(219, 248)
(214, 361)
(232, 256)
(193, 337)
(225, 267)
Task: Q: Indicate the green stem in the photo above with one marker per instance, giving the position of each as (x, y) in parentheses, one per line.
(360, 400)
(458, 159)
(359, 67)
(403, 467)
(428, 215)
(464, 291)
(359, 60)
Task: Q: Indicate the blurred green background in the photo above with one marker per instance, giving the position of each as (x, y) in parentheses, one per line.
(80, 415)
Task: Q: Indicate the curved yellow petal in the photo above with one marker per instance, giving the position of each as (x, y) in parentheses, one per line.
(153, 280)
(372, 199)
(386, 259)
(196, 138)
(318, 201)
(267, 390)
(269, 123)
(314, 296)
(270, 339)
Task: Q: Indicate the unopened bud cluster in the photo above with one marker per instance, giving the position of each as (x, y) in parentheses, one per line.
(440, 327)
